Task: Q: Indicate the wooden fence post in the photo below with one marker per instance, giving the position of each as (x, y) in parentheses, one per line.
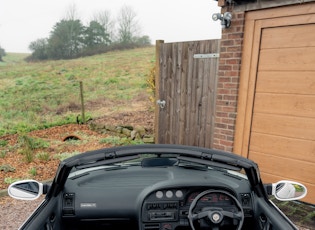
(82, 102)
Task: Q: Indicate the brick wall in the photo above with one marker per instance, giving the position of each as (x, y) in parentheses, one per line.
(228, 82)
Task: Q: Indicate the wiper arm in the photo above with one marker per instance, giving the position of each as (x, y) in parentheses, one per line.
(189, 165)
(107, 162)
(209, 163)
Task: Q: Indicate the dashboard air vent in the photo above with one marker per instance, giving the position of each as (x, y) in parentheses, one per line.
(152, 226)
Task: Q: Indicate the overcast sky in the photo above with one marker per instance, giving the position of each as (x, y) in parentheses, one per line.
(24, 21)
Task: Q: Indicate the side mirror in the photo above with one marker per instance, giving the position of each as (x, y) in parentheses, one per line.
(26, 190)
(287, 190)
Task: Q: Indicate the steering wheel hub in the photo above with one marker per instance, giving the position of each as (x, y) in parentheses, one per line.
(216, 215)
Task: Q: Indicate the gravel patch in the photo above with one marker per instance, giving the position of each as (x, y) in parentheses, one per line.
(13, 212)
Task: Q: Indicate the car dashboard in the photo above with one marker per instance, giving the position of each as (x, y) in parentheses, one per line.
(151, 198)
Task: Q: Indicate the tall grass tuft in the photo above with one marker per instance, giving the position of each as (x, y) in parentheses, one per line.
(28, 145)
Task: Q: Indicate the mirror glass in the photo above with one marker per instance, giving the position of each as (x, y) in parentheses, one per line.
(286, 190)
(26, 190)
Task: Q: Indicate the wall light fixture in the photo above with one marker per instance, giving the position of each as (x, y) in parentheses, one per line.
(224, 18)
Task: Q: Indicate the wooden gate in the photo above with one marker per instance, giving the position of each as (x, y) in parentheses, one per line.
(186, 92)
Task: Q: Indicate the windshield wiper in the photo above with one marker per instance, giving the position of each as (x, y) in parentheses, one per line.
(106, 162)
(193, 166)
(209, 163)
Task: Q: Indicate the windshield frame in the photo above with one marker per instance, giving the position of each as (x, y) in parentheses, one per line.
(109, 156)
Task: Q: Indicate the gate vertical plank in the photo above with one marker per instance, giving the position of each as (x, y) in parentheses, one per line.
(189, 95)
(157, 88)
(183, 94)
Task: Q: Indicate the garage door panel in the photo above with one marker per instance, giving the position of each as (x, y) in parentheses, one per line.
(286, 126)
(278, 166)
(296, 149)
(276, 110)
(293, 59)
(286, 82)
(288, 36)
(285, 104)
(310, 197)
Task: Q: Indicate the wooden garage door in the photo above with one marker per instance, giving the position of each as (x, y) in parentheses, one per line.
(279, 121)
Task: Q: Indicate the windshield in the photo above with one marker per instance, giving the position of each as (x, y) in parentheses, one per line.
(154, 160)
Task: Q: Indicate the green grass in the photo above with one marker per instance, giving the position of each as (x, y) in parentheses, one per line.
(45, 94)
(65, 155)
(43, 156)
(3, 143)
(10, 180)
(119, 141)
(33, 171)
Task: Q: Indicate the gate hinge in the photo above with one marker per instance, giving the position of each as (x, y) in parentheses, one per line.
(211, 55)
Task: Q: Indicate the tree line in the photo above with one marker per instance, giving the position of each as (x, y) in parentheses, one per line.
(70, 38)
(2, 53)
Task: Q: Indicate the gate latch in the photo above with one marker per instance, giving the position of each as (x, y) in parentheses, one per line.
(161, 103)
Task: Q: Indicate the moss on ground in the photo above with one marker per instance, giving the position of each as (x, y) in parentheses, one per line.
(300, 213)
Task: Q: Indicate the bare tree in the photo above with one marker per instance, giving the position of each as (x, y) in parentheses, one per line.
(72, 13)
(128, 26)
(104, 18)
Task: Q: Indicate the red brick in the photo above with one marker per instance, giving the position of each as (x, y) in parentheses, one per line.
(222, 126)
(233, 62)
(226, 143)
(224, 79)
(230, 85)
(227, 43)
(235, 36)
(226, 55)
(225, 67)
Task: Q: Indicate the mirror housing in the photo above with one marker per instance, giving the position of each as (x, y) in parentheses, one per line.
(26, 190)
(286, 190)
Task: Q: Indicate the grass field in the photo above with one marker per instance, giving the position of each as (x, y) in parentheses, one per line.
(45, 94)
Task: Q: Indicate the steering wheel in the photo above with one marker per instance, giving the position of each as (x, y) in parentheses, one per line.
(215, 214)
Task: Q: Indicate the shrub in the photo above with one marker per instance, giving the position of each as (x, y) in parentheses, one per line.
(33, 171)
(7, 168)
(10, 180)
(3, 143)
(151, 84)
(29, 144)
(3, 153)
(42, 156)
